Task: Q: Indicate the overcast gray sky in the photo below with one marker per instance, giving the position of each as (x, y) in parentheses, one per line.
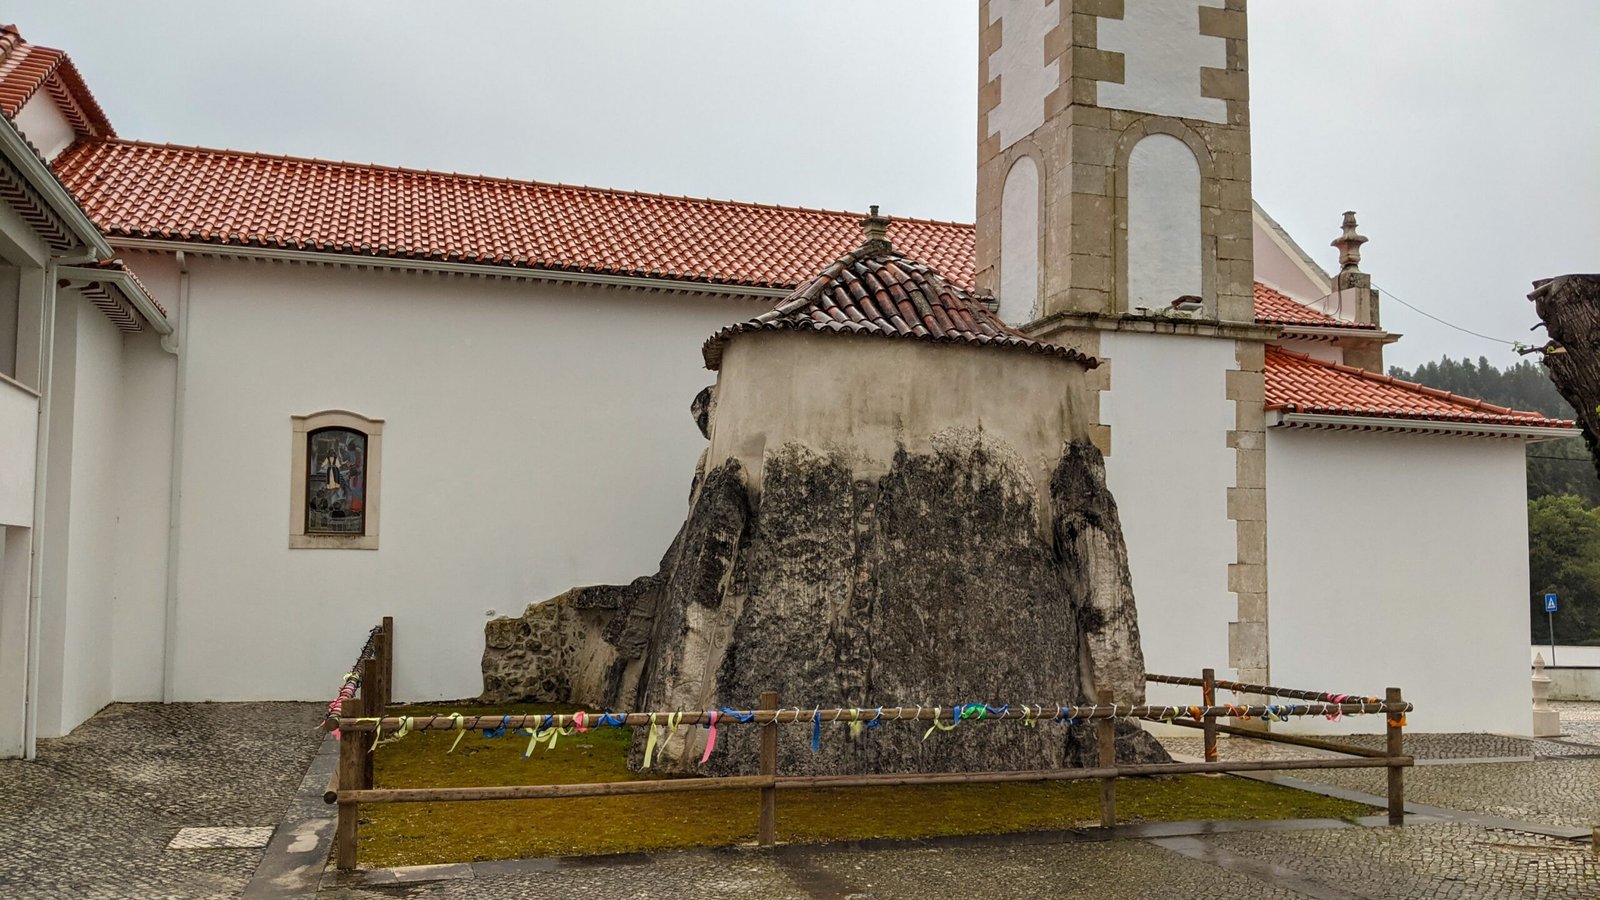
(1465, 132)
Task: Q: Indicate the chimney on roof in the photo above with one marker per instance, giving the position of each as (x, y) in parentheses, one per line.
(1355, 297)
(875, 230)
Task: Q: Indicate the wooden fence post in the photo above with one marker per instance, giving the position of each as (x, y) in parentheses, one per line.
(376, 697)
(767, 833)
(353, 775)
(388, 661)
(368, 705)
(1396, 748)
(1208, 698)
(1107, 733)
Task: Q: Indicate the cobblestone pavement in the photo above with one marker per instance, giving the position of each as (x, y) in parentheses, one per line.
(1580, 722)
(92, 816)
(1560, 787)
(1433, 861)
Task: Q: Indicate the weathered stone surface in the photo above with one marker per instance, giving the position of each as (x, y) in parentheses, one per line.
(941, 582)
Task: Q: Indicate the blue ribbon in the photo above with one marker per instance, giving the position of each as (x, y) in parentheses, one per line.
(743, 717)
(876, 720)
(499, 732)
(816, 731)
(614, 720)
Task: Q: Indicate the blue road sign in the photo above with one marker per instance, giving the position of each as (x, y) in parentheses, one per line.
(1550, 604)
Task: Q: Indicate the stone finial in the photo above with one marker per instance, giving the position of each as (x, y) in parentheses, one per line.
(1546, 721)
(875, 228)
(1349, 244)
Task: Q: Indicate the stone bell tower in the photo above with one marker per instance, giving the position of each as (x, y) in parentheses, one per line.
(1114, 216)
(1114, 157)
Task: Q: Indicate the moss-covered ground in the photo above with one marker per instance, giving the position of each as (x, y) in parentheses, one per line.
(405, 834)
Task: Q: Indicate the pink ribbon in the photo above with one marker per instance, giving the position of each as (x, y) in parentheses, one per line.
(711, 739)
(580, 720)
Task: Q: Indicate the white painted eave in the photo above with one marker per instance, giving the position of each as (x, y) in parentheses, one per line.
(1330, 422)
(484, 270)
(1330, 332)
(125, 283)
(36, 172)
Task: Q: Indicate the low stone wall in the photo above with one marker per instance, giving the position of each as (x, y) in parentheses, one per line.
(1574, 683)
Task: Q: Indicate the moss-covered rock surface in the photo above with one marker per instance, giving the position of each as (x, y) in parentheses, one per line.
(419, 834)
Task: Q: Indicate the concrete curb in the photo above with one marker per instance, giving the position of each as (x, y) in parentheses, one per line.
(298, 852)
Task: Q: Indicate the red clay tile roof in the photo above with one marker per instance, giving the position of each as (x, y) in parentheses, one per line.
(224, 197)
(133, 189)
(1274, 307)
(875, 290)
(116, 264)
(1297, 383)
(25, 68)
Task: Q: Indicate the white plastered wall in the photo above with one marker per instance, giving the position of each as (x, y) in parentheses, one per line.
(76, 612)
(1279, 266)
(1170, 468)
(1390, 554)
(42, 123)
(143, 501)
(1163, 52)
(1164, 246)
(1019, 240)
(536, 437)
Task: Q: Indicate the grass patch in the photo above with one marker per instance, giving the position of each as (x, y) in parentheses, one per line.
(406, 834)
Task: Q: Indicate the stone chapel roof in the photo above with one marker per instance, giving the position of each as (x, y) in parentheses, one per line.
(875, 290)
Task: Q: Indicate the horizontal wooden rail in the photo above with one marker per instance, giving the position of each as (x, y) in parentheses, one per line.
(835, 716)
(813, 782)
(352, 783)
(1294, 739)
(1265, 690)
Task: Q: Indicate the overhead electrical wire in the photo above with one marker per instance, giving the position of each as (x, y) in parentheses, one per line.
(1422, 312)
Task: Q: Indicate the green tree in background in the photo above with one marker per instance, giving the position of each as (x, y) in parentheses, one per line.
(1563, 494)
(1564, 557)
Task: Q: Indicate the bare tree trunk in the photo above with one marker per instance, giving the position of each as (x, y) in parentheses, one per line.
(1570, 308)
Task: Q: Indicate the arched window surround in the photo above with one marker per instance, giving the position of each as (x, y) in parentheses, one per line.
(302, 536)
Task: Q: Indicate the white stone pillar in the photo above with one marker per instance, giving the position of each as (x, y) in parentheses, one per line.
(1546, 721)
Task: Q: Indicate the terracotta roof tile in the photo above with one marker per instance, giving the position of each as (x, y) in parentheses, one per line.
(133, 189)
(223, 197)
(25, 68)
(1297, 383)
(1274, 307)
(876, 290)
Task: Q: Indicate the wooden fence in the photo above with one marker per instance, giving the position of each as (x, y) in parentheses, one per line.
(352, 783)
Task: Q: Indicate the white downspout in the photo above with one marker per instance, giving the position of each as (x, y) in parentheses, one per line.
(176, 343)
(47, 356)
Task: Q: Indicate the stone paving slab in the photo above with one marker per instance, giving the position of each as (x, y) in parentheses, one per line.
(92, 817)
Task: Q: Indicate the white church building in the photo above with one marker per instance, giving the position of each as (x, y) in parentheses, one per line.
(251, 403)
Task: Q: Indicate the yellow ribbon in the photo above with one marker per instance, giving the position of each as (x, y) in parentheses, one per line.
(937, 724)
(650, 743)
(378, 740)
(455, 719)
